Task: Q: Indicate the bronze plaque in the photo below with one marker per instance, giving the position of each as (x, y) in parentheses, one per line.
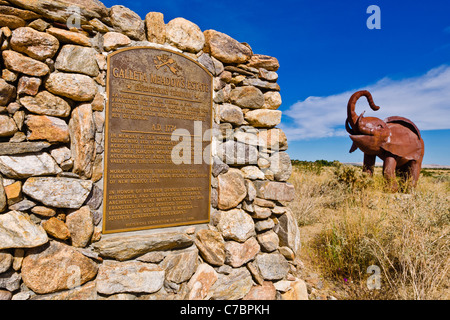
(157, 140)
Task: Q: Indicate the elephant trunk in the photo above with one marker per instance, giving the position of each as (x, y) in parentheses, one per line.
(352, 117)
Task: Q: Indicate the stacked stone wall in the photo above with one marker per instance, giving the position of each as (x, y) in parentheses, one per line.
(52, 115)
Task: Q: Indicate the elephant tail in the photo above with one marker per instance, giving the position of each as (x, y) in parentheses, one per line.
(352, 117)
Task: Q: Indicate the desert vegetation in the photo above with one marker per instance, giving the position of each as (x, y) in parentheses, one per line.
(349, 222)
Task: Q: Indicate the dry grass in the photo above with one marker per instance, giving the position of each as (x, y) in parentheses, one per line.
(407, 235)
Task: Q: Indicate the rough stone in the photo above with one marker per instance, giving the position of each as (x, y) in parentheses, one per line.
(74, 86)
(10, 280)
(37, 45)
(6, 260)
(10, 21)
(122, 247)
(81, 226)
(26, 165)
(39, 25)
(263, 118)
(85, 292)
(272, 100)
(3, 199)
(233, 286)
(211, 246)
(7, 93)
(45, 103)
(199, 285)
(55, 267)
(247, 97)
(24, 14)
(263, 61)
(185, 35)
(18, 62)
(252, 173)
(77, 59)
(43, 211)
(47, 128)
(5, 295)
(28, 85)
(131, 276)
(260, 212)
(297, 291)
(281, 166)
(219, 167)
(58, 192)
(231, 190)
(156, 28)
(7, 126)
(274, 139)
(14, 192)
(272, 190)
(231, 114)
(236, 153)
(238, 254)
(22, 205)
(66, 36)
(114, 40)
(266, 291)
(268, 240)
(236, 225)
(56, 228)
(12, 148)
(261, 84)
(263, 225)
(268, 75)
(272, 266)
(224, 48)
(181, 266)
(128, 22)
(18, 231)
(289, 232)
(82, 140)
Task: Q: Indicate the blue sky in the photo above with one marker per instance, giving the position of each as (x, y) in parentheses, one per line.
(326, 53)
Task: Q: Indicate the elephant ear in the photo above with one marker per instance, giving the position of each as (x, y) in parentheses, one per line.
(405, 139)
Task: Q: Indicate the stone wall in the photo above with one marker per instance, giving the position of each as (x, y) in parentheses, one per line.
(52, 101)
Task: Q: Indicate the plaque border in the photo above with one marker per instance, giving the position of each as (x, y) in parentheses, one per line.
(105, 163)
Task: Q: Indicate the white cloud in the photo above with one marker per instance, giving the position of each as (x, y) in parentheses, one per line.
(425, 100)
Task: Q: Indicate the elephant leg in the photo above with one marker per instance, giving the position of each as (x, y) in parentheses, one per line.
(389, 166)
(414, 172)
(369, 163)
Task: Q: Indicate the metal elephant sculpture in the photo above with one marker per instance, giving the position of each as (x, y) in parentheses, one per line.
(396, 140)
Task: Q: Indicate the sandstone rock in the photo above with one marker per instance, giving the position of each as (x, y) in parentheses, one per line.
(22, 205)
(131, 276)
(268, 240)
(211, 245)
(10, 280)
(233, 286)
(274, 139)
(180, 267)
(122, 247)
(37, 45)
(17, 62)
(231, 190)
(224, 48)
(5, 295)
(18, 231)
(263, 118)
(58, 192)
(236, 225)
(297, 291)
(263, 225)
(77, 59)
(66, 36)
(128, 22)
(219, 167)
(252, 173)
(153, 257)
(24, 14)
(206, 60)
(11, 21)
(8, 93)
(39, 25)
(236, 153)
(156, 28)
(82, 140)
(56, 228)
(272, 190)
(85, 292)
(246, 137)
(81, 226)
(12, 148)
(7, 126)
(280, 165)
(263, 61)
(114, 40)
(251, 191)
(247, 97)
(289, 232)
(55, 267)
(77, 87)
(260, 212)
(46, 103)
(238, 254)
(28, 85)
(27, 165)
(261, 84)
(287, 253)
(47, 128)
(272, 100)
(200, 283)
(268, 75)
(3, 199)
(232, 114)
(6, 260)
(272, 266)
(264, 203)
(266, 291)
(14, 192)
(185, 35)
(43, 211)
